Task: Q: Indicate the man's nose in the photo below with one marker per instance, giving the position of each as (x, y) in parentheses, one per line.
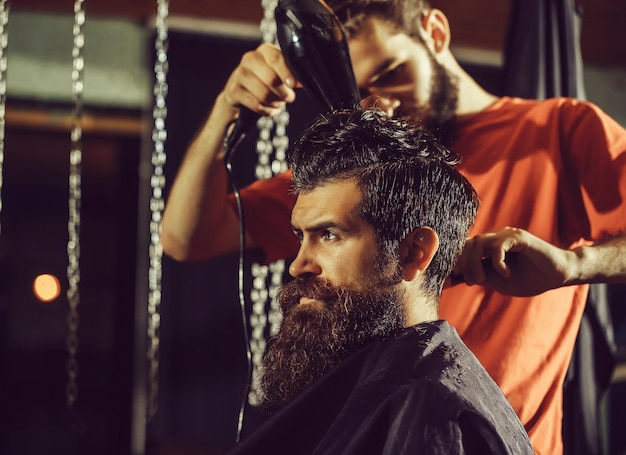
(304, 265)
(387, 104)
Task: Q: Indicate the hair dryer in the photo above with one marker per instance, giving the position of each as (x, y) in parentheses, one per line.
(315, 48)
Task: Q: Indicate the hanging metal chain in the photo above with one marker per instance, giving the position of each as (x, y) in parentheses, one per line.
(73, 244)
(271, 149)
(4, 39)
(157, 204)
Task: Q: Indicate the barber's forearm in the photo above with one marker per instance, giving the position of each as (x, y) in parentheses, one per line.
(196, 207)
(601, 263)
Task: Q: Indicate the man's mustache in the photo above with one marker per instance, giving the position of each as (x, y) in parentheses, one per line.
(314, 288)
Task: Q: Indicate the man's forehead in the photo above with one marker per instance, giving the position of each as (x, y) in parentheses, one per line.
(336, 200)
(374, 48)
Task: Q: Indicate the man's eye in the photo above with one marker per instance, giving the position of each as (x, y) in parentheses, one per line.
(388, 76)
(328, 235)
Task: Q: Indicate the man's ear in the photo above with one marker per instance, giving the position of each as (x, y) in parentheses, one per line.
(436, 30)
(417, 250)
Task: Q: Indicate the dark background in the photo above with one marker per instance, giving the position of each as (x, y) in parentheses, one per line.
(203, 368)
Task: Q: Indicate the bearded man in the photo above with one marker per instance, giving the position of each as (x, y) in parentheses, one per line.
(362, 364)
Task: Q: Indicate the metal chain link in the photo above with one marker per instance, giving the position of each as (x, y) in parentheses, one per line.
(73, 244)
(157, 204)
(271, 149)
(4, 39)
(268, 24)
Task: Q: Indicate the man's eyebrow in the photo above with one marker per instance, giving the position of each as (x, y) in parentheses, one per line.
(322, 226)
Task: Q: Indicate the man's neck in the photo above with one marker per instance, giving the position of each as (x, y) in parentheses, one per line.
(472, 97)
(419, 307)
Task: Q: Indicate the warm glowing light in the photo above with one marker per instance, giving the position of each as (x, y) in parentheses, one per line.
(46, 287)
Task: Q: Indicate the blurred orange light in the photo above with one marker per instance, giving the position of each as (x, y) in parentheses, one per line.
(46, 287)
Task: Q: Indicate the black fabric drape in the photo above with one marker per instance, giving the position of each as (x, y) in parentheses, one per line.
(542, 55)
(543, 60)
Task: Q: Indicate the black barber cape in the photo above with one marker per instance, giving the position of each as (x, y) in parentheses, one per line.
(422, 392)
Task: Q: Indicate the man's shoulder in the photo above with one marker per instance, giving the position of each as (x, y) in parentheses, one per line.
(429, 363)
(528, 121)
(427, 378)
(560, 106)
(430, 353)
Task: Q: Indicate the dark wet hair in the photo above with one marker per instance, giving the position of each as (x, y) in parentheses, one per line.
(403, 14)
(407, 178)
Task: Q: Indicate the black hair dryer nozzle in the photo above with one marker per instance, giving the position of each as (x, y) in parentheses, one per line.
(315, 48)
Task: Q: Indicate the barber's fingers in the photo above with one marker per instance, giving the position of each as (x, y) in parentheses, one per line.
(261, 82)
(286, 80)
(487, 253)
(470, 264)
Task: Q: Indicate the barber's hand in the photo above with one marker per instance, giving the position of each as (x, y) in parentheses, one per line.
(262, 82)
(514, 262)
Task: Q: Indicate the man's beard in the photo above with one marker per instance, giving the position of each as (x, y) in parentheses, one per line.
(439, 116)
(312, 340)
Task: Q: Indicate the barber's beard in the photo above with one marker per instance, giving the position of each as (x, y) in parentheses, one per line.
(439, 116)
(313, 338)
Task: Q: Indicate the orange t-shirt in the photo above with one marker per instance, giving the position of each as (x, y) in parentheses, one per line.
(555, 168)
